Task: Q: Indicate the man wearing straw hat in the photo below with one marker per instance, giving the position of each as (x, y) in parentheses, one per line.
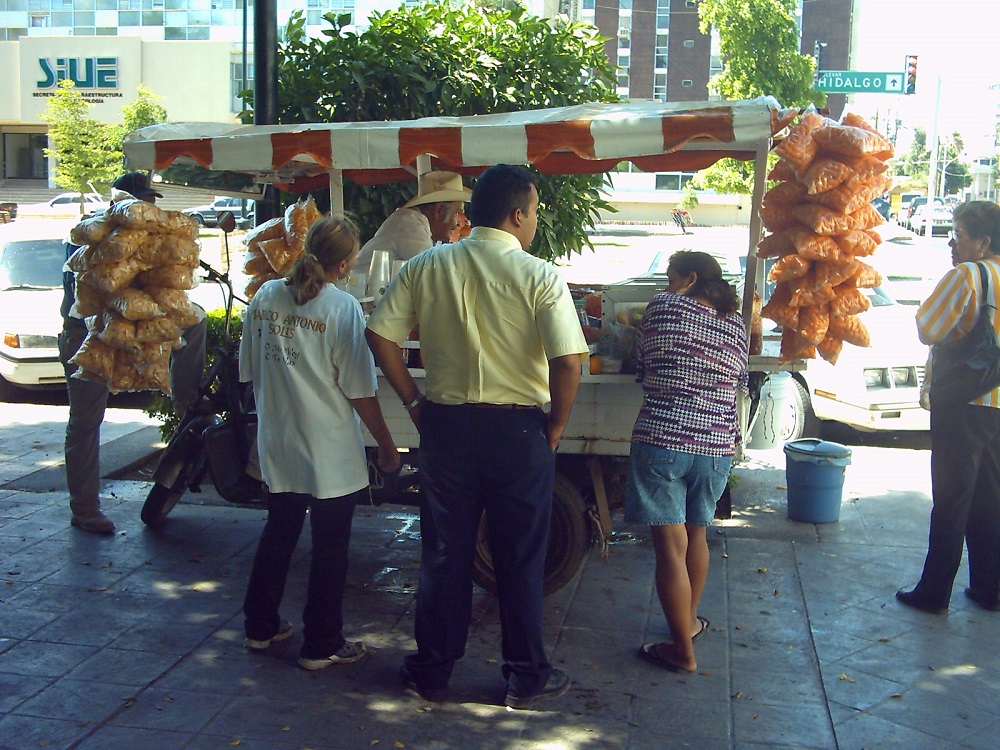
(427, 218)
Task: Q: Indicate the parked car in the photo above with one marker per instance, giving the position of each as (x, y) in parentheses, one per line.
(67, 204)
(906, 215)
(8, 211)
(208, 216)
(883, 207)
(30, 294)
(930, 218)
(869, 389)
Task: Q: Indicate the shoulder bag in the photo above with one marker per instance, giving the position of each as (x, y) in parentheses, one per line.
(970, 367)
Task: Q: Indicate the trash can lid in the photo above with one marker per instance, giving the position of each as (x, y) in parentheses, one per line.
(816, 448)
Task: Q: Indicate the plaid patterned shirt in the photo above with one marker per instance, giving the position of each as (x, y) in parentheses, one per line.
(690, 363)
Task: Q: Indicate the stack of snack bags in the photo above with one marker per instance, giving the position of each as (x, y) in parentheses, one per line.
(132, 269)
(821, 222)
(272, 247)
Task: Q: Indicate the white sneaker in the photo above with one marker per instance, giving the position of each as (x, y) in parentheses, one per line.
(284, 631)
(349, 652)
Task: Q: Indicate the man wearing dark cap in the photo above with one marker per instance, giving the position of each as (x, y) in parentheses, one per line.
(89, 399)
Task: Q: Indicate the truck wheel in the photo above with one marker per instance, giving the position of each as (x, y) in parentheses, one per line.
(799, 420)
(569, 539)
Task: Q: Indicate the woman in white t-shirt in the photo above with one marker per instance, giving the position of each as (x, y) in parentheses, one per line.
(304, 349)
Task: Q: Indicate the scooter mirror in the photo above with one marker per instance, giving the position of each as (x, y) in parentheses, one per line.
(227, 222)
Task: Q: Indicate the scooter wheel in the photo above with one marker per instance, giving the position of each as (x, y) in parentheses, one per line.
(160, 501)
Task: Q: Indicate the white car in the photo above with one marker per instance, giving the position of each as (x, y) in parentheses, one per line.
(66, 204)
(873, 388)
(30, 294)
(928, 219)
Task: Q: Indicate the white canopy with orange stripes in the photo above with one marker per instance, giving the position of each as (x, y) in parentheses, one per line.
(580, 139)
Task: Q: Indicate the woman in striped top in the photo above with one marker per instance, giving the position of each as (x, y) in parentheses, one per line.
(692, 360)
(965, 439)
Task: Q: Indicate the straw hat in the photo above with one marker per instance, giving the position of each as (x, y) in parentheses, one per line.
(439, 187)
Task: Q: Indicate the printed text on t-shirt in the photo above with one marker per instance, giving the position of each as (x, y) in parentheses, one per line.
(286, 326)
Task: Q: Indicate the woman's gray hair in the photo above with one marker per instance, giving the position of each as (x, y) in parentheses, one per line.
(981, 219)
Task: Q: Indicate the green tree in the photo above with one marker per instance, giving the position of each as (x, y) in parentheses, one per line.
(915, 163)
(82, 147)
(436, 60)
(759, 42)
(145, 110)
(956, 172)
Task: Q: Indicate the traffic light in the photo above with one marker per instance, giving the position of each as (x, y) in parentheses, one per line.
(911, 74)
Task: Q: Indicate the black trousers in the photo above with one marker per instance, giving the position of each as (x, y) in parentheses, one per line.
(323, 618)
(473, 458)
(965, 475)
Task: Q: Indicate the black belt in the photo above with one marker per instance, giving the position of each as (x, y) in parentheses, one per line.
(496, 406)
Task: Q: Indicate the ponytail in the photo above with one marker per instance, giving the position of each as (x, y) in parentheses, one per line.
(330, 240)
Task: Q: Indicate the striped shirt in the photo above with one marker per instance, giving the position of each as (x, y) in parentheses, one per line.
(690, 364)
(953, 308)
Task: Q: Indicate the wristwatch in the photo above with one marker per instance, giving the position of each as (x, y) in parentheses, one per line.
(419, 399)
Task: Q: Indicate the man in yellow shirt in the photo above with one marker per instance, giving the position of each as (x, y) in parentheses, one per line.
(499, 338)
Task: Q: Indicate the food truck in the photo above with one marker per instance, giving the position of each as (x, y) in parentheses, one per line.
(587, 138)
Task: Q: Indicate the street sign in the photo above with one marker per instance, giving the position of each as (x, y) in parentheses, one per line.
(859, 82)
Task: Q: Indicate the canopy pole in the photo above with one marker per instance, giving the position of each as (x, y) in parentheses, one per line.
(336, 191)
(754, 278)
(423, 164)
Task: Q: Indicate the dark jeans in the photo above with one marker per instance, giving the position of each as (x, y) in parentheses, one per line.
(965, 474)
(323, 617)
(473, 458)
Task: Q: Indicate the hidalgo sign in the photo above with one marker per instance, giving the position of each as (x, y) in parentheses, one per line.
(85, 72)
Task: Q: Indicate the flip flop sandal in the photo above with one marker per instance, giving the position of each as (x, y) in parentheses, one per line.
(648, 652)
(704, 626)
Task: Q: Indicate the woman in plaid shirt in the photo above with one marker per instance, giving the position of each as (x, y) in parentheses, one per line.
(692, 358)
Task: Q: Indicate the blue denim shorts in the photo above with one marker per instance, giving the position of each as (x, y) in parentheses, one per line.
(669, 487)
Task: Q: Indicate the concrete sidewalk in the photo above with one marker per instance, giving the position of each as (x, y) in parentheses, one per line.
(135, 641)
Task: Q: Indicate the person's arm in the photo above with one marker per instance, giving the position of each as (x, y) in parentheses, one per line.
(564, 379)
(389, 357)
(371, 414)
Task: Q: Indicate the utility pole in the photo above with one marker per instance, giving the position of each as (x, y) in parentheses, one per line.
(265, 90)
(932, 170)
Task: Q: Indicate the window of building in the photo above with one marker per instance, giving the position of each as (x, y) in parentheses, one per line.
(673, 180)
(107, 31)
(128, 18)
(106, 5)
(691, 3)
(38, 20)
(687, 83)
(689, 42)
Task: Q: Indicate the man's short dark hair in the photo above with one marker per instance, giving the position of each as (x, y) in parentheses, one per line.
(497, 192)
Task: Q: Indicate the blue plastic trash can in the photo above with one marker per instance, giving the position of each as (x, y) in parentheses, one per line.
(814, 475)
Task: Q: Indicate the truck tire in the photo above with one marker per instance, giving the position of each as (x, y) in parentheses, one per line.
(799, 420)
(569, 539)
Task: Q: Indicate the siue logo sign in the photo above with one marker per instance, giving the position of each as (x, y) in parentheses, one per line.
(85, 72)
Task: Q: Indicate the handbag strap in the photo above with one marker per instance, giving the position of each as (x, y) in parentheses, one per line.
(987, 300)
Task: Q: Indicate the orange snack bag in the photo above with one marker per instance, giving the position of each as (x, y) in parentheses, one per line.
(781, 171)
(849, 301)
(799, 148)
(813, 323)
(793, 346)
(822, 220)
(776, 245)
(789, 267)
(853, 194)
(865, 277)
(824, 174)
(777, 216)
(787, 193)
(829, 349)
(866, 166)
(778, 309)
(866, 217)
(856, 243)
(835, 272)
(851, 141)
(808, 244)
(808, 293)
(850, 329)
(874, 235)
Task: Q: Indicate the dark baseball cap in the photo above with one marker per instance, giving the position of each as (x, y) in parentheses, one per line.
(135, 184)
